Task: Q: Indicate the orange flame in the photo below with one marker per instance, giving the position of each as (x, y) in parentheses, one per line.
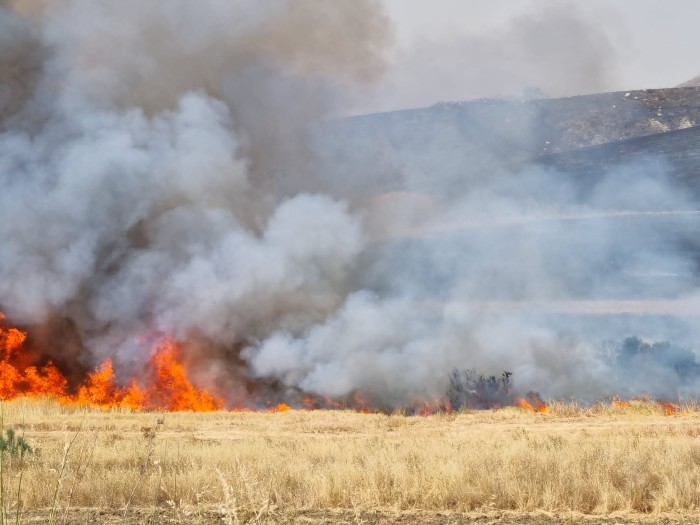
(532, 404)
(524, 404)
(358, 403)
(667, 408)
(165, 383)
(100, 389)
(9, 379)
(10, 338)
(45, 381)
(172, 388)
(621, 403)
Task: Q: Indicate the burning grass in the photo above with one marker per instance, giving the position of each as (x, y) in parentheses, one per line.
(188, 466)
(159, 448)
(164, 384)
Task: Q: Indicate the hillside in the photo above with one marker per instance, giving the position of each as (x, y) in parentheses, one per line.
(405, 149)
(604, 185)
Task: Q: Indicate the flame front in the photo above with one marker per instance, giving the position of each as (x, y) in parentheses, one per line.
(164, 385)
(620, 403)
(668, 409)
(533, 403)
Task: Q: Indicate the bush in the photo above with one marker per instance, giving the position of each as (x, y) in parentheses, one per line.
(14, 445)
(471, 390)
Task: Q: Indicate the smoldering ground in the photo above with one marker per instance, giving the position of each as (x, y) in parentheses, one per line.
(168, 170)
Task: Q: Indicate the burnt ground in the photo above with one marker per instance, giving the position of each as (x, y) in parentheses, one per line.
(677, 152)
(347, 517)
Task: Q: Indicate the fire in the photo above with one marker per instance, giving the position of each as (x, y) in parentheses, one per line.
(667, 408)
(45, 381)
(532, 403)
(172, 389)
(524, 404)
(620, 403)
(101, 389)
(358, 402)
(164, 385)
(10, 338)
(9, 379)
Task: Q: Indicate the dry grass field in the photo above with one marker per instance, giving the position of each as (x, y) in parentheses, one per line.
(602, 464)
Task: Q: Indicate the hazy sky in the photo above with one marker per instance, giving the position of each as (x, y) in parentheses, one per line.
(461, 49)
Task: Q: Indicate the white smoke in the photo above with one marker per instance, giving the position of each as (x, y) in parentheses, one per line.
(153, 174)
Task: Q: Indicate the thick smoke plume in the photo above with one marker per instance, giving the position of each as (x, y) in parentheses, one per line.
(165, 169)
(154, 168)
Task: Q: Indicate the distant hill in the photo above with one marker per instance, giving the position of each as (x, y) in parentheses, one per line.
(693, 82)
(428, 159)
(404, 149)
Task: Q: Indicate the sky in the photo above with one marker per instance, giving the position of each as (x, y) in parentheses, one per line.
(448, 50)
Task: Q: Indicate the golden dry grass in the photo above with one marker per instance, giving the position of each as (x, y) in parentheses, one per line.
(259, 466)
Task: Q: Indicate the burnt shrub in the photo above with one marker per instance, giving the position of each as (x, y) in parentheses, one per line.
(469, 389)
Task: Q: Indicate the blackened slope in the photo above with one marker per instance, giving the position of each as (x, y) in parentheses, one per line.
(677, 152)
(558, 125)
(461, 142)
(577, 122)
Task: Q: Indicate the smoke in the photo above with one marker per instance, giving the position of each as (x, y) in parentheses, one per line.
(552, 48)
(153, 166)
(535, 273)
(170, 169)
(20, 61)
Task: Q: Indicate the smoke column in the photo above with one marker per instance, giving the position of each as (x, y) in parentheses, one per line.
(167, 169)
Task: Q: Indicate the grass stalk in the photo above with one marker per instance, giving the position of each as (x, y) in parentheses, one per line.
(149, 435)
(82, 466)
(61, 475)
(231, 507)
(18, 512)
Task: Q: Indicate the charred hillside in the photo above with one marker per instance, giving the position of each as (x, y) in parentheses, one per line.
(584, 134)
(676, 151)
(578, 122)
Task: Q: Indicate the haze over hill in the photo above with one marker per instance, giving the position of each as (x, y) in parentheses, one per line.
(454, 50)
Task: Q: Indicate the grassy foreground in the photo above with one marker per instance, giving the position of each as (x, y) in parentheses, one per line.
(633, 463)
